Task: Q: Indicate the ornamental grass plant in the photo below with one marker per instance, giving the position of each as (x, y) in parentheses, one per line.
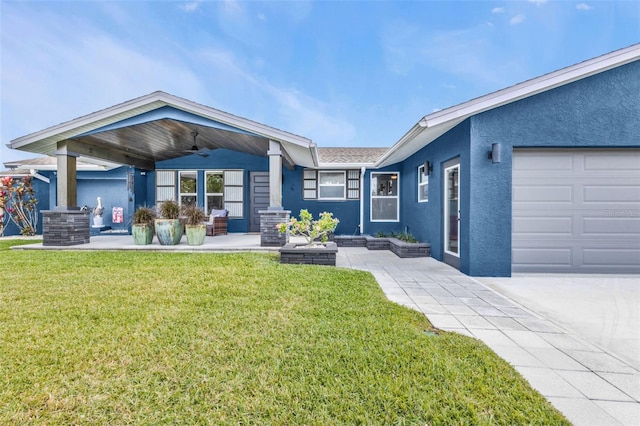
(110, 338)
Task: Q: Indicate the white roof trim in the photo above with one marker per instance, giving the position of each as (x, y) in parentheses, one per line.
(458, 113)
(151, 102)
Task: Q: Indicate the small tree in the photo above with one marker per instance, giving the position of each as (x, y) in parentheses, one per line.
(17, 199)
(310, 229)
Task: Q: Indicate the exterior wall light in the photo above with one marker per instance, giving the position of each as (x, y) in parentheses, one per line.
(428, 168)
(494, 154)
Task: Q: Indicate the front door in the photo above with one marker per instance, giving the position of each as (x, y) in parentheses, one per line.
(452, 213)
(259, 198)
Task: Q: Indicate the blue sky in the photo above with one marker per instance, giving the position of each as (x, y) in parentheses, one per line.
(356, 73)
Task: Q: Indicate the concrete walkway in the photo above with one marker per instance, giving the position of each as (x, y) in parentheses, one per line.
(586, 383)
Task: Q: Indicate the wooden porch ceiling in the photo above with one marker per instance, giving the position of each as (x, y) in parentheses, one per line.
(142, 145)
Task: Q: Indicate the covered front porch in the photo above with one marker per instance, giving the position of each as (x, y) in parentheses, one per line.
(149, 132)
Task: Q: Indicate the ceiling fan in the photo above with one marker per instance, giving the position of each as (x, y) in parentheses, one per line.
(194, 148)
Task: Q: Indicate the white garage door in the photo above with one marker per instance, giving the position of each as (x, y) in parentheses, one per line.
(576, 211)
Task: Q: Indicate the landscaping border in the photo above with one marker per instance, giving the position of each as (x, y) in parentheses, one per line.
(400, 248)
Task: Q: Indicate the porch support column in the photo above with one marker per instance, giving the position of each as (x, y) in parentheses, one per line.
(66, 225)
(275, 175)
(275, 214)
(67, 182)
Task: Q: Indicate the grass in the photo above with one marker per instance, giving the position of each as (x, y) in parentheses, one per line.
(159, 338)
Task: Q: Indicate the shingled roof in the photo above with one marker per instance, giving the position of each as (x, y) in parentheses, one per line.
(340, 155)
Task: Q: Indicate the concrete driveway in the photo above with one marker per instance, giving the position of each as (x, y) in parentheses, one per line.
(602, 309)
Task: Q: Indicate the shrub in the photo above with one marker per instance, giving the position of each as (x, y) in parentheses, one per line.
(169, 210)
(144, 215)
(18, 202)
(310, 229)
(194, 214)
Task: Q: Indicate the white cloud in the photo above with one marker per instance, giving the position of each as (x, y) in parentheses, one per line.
(518, 19)
(583, 6)
(72, 69)
(466, 54)
(296, 111)
(498, 10)
(538, 2)
(190, 6)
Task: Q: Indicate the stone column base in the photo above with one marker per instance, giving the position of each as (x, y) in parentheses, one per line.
(65, 227)
(269, 235)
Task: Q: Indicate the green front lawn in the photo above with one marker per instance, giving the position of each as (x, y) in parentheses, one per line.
(187, 338)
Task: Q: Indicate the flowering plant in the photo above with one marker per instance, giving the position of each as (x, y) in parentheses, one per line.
(310, 229)
(18, 202)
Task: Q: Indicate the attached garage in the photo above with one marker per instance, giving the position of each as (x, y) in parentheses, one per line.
(576, 210)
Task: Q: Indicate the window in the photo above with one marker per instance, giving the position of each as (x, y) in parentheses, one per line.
(224, 190)
(214, 191)
(384, 197)
(165, 185)
(423, 185)
(331, 184)
(188, 187)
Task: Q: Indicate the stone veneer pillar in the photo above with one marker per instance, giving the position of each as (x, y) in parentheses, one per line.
(65, 227)
(269, 235)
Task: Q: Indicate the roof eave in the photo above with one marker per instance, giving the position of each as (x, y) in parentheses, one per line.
(450, 117)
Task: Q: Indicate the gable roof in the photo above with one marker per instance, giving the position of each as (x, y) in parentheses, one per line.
(434, 125)
(158, 116)
(349, 157)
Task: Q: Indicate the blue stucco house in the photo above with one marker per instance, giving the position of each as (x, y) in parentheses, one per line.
(543, 176)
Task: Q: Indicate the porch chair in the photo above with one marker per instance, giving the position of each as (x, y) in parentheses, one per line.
(217, 224)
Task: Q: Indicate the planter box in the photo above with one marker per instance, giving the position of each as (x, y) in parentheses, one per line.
(404, 249)
(300, 254)
(398, 247)
(350, 240)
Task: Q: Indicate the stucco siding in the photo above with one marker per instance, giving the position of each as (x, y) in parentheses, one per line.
(425, 220)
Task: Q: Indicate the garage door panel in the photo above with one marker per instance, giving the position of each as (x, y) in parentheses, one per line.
(548, 256)
(576, 211)
(611, 227)
(614, 257)
(611, 193)
(553, 226)
(537, 162)
(535, 194)
(603, 161)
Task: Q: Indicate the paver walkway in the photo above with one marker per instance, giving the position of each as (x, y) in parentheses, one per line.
(588, 385)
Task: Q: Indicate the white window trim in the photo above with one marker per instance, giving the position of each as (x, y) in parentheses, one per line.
(343, 185)
(180, 193)
(446, 212)
(397, 197)
(421, 184)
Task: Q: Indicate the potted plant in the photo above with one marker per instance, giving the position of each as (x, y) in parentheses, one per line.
(168, 227)
(196, 229)
(317, 250)
(143, 226)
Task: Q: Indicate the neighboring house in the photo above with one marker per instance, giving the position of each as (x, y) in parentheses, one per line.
(95, 179)
(560, 193)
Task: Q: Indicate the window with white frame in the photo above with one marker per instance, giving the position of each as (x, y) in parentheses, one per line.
(188, 184)
(423, 184)
(331, 184)
(385, 206)
(214, 191)
(165, 185)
